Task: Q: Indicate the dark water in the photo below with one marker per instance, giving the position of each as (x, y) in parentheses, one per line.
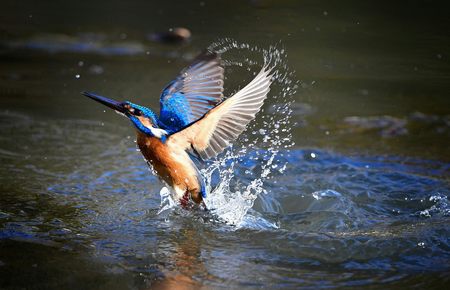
(363, 200)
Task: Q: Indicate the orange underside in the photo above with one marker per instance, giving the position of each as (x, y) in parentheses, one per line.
(172, 165)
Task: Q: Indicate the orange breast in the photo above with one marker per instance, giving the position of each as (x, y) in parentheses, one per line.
(172, 165)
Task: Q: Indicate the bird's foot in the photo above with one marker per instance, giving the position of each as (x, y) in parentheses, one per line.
(187, 202)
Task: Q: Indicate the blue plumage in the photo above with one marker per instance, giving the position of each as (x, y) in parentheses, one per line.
(195, 91)
(146, 112)
(175, 112)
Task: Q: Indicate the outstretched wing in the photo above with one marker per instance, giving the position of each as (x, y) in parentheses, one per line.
(223, 124)
(196, 90)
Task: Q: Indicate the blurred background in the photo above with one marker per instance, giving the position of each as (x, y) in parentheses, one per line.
(383, 63)
(374, 91)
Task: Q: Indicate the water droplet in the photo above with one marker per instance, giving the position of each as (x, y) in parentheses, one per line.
(77, 76)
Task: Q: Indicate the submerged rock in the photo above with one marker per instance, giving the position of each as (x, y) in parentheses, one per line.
(176, 35)
(387, 125)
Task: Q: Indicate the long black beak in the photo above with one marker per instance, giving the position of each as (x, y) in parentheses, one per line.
(115, 105)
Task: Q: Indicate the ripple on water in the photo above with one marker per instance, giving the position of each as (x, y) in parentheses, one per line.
(276, 216)
(359, 214)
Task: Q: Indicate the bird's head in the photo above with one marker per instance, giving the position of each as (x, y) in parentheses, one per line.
(142, 117)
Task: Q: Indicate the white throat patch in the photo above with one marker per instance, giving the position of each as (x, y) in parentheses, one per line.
(158, 133)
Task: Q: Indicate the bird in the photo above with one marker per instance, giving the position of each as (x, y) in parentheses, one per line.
(195, 123)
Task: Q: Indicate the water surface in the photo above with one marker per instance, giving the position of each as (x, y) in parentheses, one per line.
(360, 200)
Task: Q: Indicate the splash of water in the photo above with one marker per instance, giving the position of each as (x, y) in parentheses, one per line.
(231, 191)
(441, 206)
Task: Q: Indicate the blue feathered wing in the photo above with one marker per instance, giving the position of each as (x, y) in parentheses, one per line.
(196, 90)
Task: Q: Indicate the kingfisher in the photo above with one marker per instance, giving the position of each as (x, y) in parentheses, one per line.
(195, 122)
